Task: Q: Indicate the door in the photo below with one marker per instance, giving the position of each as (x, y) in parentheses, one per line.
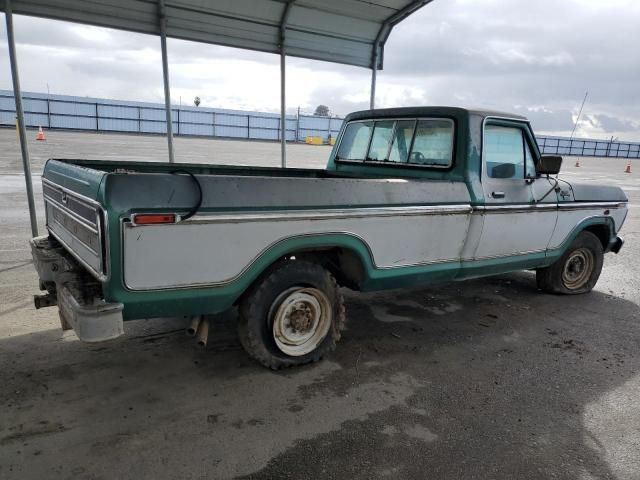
(515, 222)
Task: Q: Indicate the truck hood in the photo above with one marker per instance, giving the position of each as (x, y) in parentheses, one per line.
(589, 192)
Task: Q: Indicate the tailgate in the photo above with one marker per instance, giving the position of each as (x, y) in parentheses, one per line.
(78, 223)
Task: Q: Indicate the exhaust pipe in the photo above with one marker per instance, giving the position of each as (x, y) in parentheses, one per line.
(203, 333)
(46, 300)
(193, 327)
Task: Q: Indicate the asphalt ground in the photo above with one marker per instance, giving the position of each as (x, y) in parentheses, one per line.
(489, 378)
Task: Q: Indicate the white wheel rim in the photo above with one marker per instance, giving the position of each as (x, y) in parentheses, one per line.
(301, 321)
(578, 268)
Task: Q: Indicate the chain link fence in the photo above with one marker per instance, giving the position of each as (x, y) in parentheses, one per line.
(101, 115)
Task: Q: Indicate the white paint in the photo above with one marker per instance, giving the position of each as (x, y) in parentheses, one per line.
(568, 219)
(513, 233)
(191, 254)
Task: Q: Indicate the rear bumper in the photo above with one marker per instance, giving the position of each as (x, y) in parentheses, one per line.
(71, 288)
(616, 244)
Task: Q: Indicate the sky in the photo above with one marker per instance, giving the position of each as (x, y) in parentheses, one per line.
(537, 59)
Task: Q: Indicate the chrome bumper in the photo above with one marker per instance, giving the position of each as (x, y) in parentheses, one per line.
(92, 319)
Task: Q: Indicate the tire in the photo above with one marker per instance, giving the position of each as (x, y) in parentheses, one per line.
(292, 315)
(577, 270)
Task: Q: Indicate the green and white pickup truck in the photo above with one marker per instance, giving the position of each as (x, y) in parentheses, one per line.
(410, 196)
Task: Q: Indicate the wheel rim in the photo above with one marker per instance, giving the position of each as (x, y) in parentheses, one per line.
(578, 268)
(301, 320)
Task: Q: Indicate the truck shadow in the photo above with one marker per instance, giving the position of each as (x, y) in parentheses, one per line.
(488, 378)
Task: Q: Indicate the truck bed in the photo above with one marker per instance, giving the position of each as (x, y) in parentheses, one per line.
(123, 185)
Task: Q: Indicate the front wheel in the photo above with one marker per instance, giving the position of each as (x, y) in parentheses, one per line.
(577, 270)
(291, 316)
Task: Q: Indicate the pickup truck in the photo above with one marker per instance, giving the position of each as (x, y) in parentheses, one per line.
(410, 196)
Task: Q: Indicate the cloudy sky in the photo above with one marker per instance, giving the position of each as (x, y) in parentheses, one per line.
(535, 58)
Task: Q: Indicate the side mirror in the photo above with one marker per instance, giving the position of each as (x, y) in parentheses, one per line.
(549, 165)
(504, 170)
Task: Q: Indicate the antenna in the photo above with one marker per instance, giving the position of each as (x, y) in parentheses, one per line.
(579, 113)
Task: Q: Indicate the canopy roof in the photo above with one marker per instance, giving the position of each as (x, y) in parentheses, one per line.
(351, 32)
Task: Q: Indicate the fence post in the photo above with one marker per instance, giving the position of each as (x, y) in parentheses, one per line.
(249, 126)
(298, 125)
(213, 124)
(139, 119)
(97, 123)
(329, 128)
(48, 113)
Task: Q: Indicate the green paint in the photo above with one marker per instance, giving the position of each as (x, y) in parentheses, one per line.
(192, 301)
(89, 178)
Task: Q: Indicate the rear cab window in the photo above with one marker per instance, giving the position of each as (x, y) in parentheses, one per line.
(421, 142)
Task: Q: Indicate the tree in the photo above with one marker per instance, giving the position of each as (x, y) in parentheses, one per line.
(196, 101)
(322, 111)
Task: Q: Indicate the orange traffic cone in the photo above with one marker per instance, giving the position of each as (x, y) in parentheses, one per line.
(578, 163)
(40, 135)
(628, 169)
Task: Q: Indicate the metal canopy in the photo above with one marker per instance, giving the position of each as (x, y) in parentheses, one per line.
(351, 32)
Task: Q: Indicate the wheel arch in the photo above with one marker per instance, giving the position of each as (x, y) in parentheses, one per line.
(347, 256)
(602, 227)
(603, 231)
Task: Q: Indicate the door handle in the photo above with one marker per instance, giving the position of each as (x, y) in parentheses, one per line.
(497, 194)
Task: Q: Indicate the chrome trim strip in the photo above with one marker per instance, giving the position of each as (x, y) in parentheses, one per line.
(591, 205)
(513, 208)
(292, 215)
(507, 255)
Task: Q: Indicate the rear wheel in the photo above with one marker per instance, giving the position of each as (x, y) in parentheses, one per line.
(577, 270)
(291, 316)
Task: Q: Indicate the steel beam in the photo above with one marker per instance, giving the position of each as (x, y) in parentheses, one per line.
(22, 133)
(165, 78)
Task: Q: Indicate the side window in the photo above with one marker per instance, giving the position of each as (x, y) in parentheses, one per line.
(379, 148)
(433, 143)
(504, 152)
(402, 141)
(355, 141)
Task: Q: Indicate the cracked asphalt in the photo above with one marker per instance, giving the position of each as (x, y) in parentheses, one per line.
(488, 378)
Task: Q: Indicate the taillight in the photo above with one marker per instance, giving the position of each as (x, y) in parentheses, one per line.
(154, 218)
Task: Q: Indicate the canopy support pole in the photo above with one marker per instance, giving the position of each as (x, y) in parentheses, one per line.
(283, 110)
(22, 133)
(372, 100)
(165, 78)
(283, 102)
